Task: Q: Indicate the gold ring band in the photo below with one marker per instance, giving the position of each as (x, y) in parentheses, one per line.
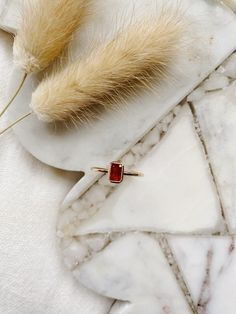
(116, 172)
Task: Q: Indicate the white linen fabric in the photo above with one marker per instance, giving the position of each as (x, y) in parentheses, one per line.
(32, 276)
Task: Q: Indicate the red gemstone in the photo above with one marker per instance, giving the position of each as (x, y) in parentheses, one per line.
(116, 172)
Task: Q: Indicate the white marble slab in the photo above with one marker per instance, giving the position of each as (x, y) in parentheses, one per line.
(209, 40)
(209, 268)
(147, 306)
(216, 112)
(9, 15)
(206, 263)
(133, 268)
(176, 193)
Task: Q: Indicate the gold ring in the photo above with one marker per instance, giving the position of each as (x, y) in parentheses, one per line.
(116, 172)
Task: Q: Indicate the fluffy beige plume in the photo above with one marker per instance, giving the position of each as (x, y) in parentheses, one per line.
(137, 57)
(46, 28)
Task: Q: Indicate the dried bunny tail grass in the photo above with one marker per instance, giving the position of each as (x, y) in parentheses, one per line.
(138, 56)
(45, 29)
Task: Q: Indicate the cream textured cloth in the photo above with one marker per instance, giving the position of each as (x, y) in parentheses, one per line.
(32, 276)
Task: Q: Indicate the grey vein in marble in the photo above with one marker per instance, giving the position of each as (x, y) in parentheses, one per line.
(209, 268)
(216, 112)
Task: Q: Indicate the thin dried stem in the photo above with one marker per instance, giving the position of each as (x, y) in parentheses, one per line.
(14, 96)
(16, 122)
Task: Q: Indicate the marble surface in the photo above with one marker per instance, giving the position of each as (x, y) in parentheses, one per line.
(173, 168)
(216, 112)
(190, 216)
(203, 265)
(216, 115)
(131, 268)
(9, 15)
